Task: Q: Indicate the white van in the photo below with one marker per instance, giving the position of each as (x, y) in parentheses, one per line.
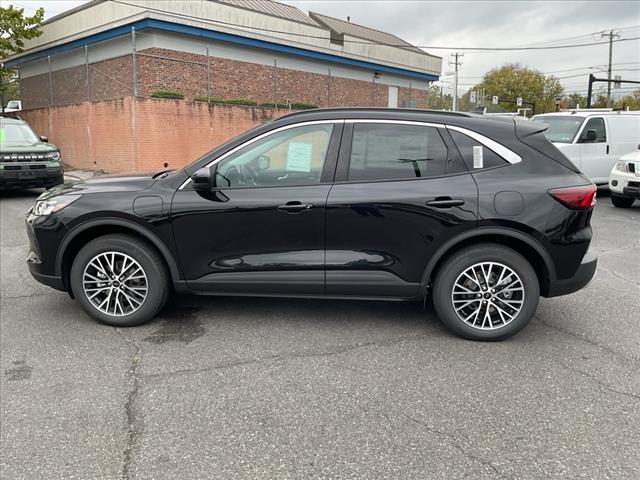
(593, 139)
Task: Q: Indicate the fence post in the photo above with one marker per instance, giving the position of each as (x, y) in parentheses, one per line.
(208, 77)
(275, 83)
(50, 80)
(329, 87)
(134, 69)
(86, 71)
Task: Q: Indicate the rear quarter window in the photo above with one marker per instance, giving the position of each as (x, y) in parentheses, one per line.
(465, 145)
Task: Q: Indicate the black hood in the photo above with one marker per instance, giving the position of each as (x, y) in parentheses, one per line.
(131, 182)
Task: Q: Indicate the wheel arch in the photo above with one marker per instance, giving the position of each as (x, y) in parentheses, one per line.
(87, 231)
(522, 243)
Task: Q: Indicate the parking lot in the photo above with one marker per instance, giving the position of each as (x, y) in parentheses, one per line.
(275, 388)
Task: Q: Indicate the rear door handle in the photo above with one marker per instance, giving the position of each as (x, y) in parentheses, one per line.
(445, 202)
(295, 207)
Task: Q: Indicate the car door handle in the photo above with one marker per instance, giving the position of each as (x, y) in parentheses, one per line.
(445, 202)
(294, 207)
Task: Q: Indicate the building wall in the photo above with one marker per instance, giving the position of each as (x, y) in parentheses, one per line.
(105, 15)
(185, 72)
(136, 134)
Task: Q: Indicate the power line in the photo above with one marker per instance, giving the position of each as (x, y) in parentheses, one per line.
(431, 47)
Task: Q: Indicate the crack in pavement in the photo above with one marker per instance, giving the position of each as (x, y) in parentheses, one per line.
(616, 274)
(134, 429)
(582, 338)
(617, 250)
(287, 356)
(454, 441)
(605, 386)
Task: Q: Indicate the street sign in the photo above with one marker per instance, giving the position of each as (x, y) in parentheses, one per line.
(617, 83)
(472, 96)
(495, 100)
(519, 101)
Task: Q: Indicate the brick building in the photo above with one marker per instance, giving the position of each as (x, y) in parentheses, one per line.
(254, 49)
(86, 82)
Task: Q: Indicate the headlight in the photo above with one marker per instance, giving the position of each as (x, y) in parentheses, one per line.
(54, 204)
(55, 156)
(622, 167)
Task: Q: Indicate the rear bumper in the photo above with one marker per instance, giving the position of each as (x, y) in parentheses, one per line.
(23, 178)
(585, 273)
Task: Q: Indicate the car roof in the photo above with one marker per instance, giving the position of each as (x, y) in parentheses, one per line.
(587, 113)
(11, 118)
(406, 114)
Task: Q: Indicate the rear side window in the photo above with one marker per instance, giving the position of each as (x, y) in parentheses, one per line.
(396, 152)
(466, 145)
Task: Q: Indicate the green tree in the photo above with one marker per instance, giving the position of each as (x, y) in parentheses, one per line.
(632, 100)
(15, 28)
(514, 80)
(437, 100)
(570, 101)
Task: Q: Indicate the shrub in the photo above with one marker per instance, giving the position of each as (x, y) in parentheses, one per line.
(241, 101)
(167, 94)
(269, 105)
(302, 106)
(204, 98)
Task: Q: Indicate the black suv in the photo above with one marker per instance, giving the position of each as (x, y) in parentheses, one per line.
(483, 215)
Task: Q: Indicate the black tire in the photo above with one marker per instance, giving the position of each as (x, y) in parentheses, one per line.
(621, 202)
(157, 277)
(456, 264)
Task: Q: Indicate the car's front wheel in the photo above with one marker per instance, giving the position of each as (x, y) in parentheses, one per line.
(486, 292)
(120, 280)
(621, 202)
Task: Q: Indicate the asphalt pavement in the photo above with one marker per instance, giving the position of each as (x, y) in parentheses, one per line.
(235, 388)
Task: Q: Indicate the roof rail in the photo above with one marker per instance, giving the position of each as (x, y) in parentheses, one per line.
(379, 109)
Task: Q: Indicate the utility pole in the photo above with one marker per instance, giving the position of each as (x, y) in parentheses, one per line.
(611, 35)
(456, 63)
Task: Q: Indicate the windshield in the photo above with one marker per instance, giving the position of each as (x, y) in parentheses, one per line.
(13, 104)
(562, 128)
(12, 133)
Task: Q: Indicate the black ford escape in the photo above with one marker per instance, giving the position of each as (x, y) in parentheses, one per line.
(484, 215)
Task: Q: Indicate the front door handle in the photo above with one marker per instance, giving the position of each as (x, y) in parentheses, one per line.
(295, 207)
(445, 202)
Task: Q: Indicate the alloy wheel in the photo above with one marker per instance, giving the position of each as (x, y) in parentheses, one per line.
(488, 295)
(115, 283)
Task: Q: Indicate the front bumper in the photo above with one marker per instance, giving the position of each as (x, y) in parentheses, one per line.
(43, 248)
(31, 178)
(624, 184)
(585, 273)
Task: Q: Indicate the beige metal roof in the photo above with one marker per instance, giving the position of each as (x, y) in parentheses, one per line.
(272, 8)
(342, 27)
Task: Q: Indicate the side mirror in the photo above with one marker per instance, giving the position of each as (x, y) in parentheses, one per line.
(44, 139)
(590, 136)
(202, 180)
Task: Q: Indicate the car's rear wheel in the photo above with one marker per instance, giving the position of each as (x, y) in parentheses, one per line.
(486, 292)
(120, 280)
(622, 202)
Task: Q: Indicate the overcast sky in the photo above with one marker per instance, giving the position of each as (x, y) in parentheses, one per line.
(488, 24)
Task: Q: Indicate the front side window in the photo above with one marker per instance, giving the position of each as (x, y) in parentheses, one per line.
(594, 125)
(295, 156)
(396, 152)
(469, 148)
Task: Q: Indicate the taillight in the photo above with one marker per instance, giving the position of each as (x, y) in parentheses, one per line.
(577, 198)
